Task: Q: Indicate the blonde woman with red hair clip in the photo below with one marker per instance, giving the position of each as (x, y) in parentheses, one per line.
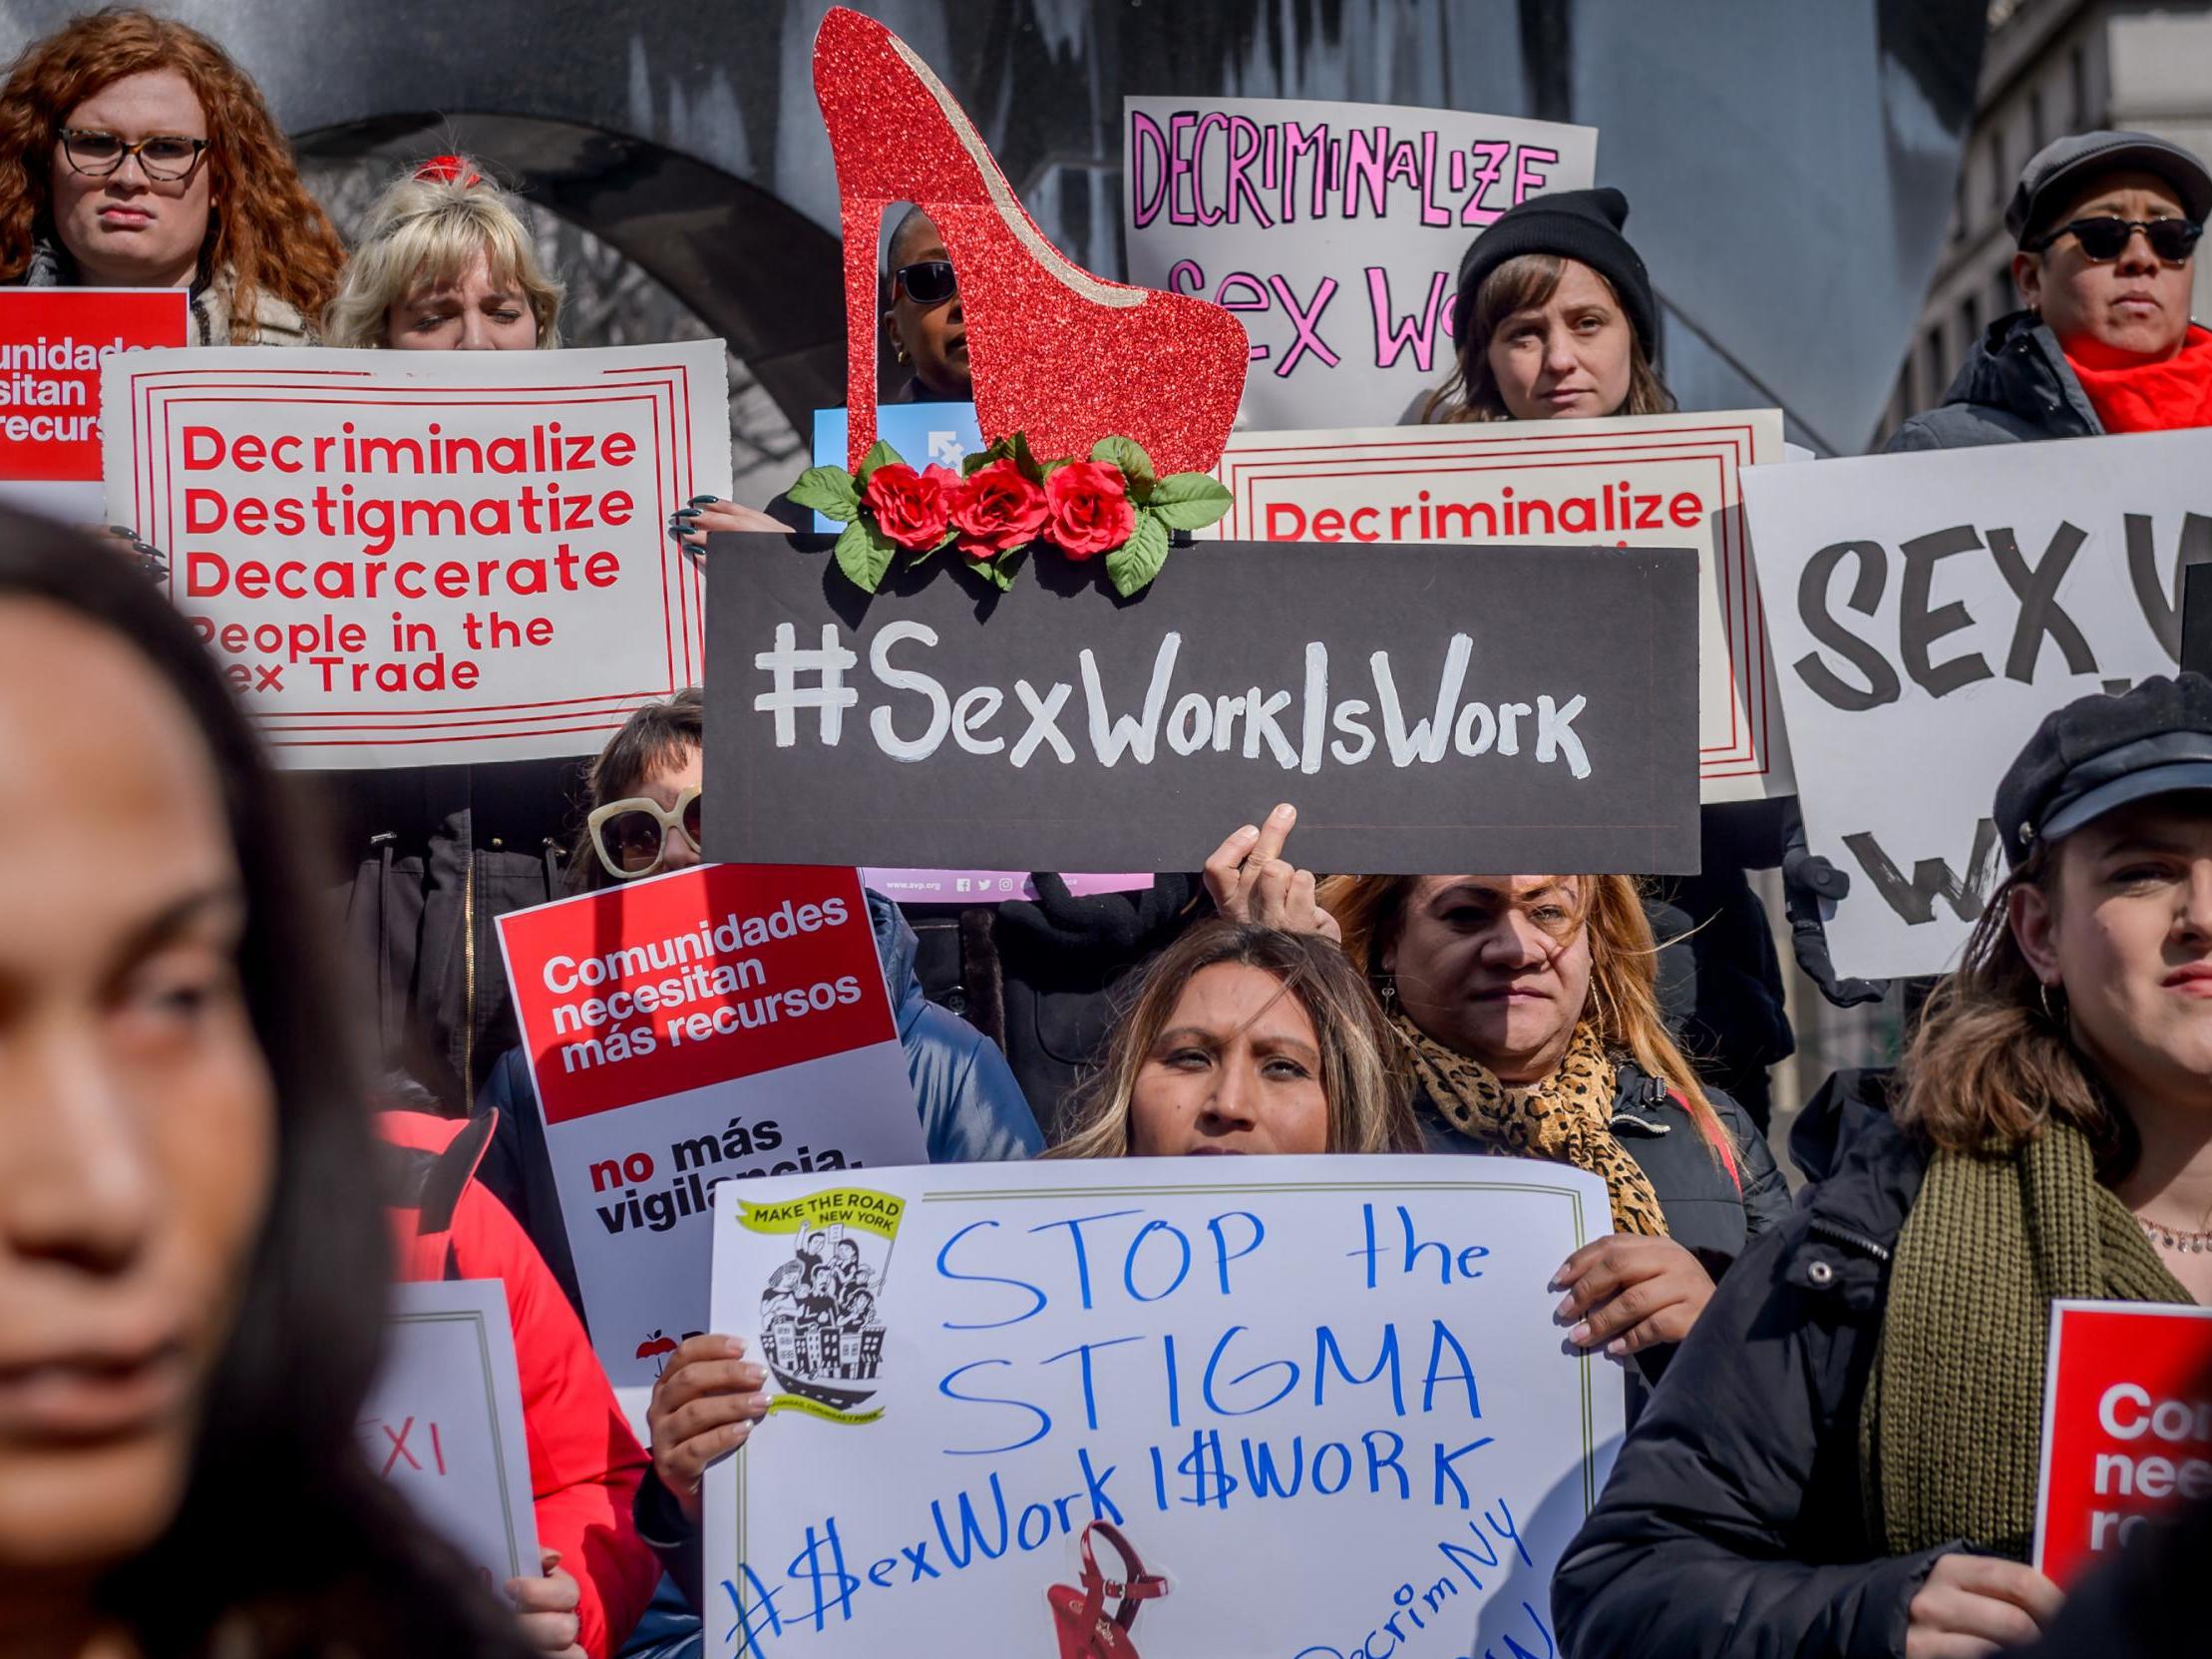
(445, 263)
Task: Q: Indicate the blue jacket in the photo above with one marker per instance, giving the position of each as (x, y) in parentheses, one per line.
(971, 1110)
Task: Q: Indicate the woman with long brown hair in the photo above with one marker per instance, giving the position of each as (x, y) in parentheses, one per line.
(1845, 1456)
(1240, 1039)
(1524, 1009)
(1237, 1041)
(135, 153)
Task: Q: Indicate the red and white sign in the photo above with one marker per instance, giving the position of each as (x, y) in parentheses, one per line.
(2127, 1425)
(406, 559)
(53, 343)
(720, 1023)
(1648, 481)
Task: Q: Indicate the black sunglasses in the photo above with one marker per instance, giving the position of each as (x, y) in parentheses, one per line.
(927, 281)
(2106, 238)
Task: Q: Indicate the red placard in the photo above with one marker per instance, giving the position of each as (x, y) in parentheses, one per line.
(657, 986)
(2127, 1425)
(52, 344)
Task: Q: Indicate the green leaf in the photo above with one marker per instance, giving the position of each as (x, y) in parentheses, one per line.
(1051, 467)
(828, 491)
(1190, 500)
(1024, 461)
(864, 554)
(999, 449)
(879, 454)
(1137, 561)
(921, 554)
(1134, 464)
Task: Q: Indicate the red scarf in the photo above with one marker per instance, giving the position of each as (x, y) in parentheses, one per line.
(2153, 397)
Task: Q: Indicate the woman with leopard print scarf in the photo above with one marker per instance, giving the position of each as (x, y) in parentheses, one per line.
(1527, 1020)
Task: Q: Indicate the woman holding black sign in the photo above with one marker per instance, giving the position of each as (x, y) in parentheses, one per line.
(1556, 319)
(1845, 1454)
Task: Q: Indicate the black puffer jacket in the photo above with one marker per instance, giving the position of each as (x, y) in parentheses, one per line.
(2015, 387)
(1734, 1523)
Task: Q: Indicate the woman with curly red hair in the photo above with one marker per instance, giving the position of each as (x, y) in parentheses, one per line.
(135, 153)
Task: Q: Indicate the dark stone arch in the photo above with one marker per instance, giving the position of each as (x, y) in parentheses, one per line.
(754, 269)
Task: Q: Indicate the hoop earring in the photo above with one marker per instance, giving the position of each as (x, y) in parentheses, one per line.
(2043, 993)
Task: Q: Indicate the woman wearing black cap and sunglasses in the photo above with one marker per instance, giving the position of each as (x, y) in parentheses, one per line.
(1843, 1457)
(2107, 226)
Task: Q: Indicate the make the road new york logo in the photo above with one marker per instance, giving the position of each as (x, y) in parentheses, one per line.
(822, 1309)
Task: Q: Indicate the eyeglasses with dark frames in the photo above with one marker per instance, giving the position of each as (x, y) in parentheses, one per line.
(168, 156)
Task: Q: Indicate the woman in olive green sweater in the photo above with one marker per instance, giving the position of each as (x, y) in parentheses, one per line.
(1842, 1458)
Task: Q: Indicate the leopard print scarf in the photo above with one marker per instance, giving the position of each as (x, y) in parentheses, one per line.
(1565, 1118)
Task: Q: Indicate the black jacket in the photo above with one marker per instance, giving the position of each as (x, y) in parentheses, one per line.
(1735, 1522)
(2015, 387)
(1706, 1213)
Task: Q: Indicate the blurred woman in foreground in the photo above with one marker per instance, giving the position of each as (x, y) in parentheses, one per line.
(191, 1246)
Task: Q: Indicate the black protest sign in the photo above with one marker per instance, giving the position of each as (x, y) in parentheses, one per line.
(2197, 621)
(1426, 708)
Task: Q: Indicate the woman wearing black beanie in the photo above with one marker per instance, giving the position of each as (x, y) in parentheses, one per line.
(1555, 318)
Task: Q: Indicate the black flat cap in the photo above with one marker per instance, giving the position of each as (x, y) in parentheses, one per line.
(2103, 753)
(2056, 173)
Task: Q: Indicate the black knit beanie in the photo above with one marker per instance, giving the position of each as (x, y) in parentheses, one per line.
(1575, 225)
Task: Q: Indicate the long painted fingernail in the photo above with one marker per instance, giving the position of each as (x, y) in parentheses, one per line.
(1566, 1306)
(701, 501)
(1617, 1349)
(751, 1376)
(1580, 1335)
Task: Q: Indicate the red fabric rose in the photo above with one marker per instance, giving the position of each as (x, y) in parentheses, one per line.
(914, 509)
(1089, 503)
(997, 510)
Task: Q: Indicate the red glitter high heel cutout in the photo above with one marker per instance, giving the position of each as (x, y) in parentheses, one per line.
(1059, 353)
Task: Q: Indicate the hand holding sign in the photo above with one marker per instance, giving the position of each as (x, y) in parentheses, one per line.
(704, 1405)
(545, 1609)
(1971, 1604)
(1627, 1293)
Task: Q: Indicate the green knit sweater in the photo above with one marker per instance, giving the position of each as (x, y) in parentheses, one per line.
(1949, 1434)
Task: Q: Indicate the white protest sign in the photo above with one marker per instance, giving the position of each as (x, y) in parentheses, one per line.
(1649, 481)
(404, 558)
(1927, 611)
(444, 1422)
(1335, 232)
(1295, 1397)
(726, 1021)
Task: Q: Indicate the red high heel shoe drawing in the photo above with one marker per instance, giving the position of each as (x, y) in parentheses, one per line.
(1086, 1630)
(1059, 353)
